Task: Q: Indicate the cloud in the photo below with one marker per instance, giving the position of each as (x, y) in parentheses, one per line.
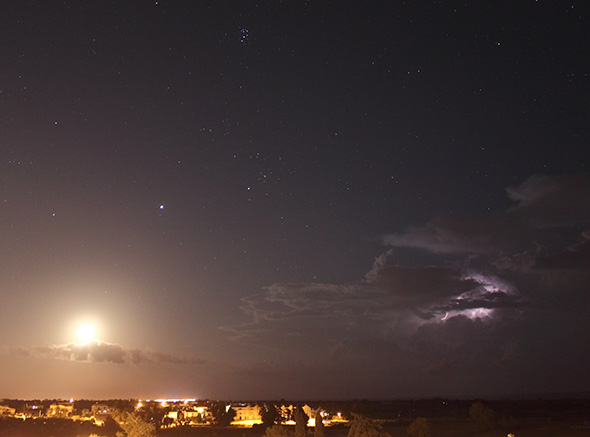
(450, 235)
(391, 300)
(495, 289)
(416, 283)
(285, 301)
(553, 201)
(101, 352)
(545, 205)
(575, 257)
(296, 305)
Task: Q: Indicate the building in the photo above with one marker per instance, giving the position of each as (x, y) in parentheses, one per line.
(187, 414)
(246, 415)
(61, 410)
(33, 410)
(101, 412)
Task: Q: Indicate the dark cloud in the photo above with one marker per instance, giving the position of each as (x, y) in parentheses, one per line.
(414, 282)
(575, 257)
(486, 301)
(553, 201)
(520, 261)
(101, 352)
(316, 303)
(545, 204)
(463, 345)
(281, 301)
(449, 235)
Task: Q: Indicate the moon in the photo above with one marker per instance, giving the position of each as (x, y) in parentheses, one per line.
(86, 333)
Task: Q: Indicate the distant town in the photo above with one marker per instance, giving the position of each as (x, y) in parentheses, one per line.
(168, 413)
(361, 418)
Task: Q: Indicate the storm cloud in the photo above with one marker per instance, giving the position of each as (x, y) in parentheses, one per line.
(481, 304)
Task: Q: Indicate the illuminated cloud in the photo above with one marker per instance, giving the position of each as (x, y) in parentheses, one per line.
(101, 352)
(388, 296)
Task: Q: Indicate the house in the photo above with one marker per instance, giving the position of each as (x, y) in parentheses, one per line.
(246, 415)
(190, 415)
(61, 410)
(101, 412)
(33, 410)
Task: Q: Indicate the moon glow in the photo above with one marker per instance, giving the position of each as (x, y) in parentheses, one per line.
(86, 333)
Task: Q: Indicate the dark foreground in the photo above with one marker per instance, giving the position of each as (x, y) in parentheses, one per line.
(440, 428)
(399, 429)
(521, 418)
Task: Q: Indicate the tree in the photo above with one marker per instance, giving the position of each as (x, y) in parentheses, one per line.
(134, 426)
(152, 412)
(362, 426)
(420, 427)
(269, 415)
(111, 426)
(483, 416)
(300, 422)
(223, 414)
(319, 425)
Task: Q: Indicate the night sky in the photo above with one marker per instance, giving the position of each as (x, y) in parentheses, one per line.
(296, 199)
